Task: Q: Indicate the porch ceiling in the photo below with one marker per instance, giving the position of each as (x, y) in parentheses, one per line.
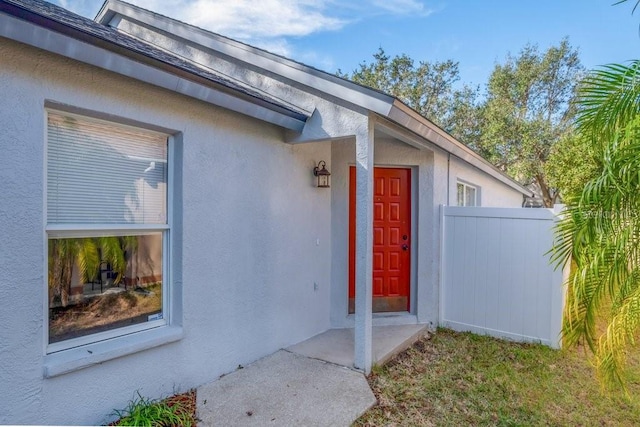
(385, 129)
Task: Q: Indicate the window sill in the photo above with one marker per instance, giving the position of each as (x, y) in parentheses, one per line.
(93, 354)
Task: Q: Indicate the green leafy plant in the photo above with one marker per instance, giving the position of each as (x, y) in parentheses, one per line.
(427, 87)
(601, 232)
(156, 413)
(85, 256)
(524, 113)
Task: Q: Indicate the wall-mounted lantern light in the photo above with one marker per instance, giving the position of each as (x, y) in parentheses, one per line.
(322, 173)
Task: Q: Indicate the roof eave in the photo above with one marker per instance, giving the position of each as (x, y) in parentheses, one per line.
(346, 90)
(17, 23)
(410, 119)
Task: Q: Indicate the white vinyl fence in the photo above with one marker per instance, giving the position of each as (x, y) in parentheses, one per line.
(496, 277)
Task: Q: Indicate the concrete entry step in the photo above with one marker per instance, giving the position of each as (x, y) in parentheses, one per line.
(337, 345)
(285, 389)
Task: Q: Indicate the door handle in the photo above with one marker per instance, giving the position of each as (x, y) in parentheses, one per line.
(405, 247)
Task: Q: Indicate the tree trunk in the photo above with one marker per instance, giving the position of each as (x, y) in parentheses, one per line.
(65, 285)
(55, 273)
(60, 272)
(549, 197)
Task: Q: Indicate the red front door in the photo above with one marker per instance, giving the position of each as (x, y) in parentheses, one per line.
(391, 239)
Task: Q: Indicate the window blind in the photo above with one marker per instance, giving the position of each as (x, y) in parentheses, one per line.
(101, 173)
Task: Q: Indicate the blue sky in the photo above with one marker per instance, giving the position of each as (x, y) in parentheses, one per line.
(339, 34)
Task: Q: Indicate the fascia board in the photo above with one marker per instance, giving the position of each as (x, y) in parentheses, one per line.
(361, 96)
(29, 33)
(405, 116)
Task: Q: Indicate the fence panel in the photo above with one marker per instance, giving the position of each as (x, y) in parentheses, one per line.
(496, 278)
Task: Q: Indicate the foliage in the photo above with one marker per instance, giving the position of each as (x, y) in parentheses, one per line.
(601, 233)
(63, 255)
(156, 413)
(462, 379)
(426, 87)
(85, 255)
(572, 163)
(528, 110)
(609, 102)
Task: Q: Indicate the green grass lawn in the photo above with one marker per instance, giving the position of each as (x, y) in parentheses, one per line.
(465, 379)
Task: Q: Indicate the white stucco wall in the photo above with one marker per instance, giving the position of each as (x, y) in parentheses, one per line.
(424, 220)
(432, 172)
(492, 192)
(252, 221)
(256, 233)
(435, 172)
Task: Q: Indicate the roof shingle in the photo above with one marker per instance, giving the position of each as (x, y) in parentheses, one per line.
(59, 19)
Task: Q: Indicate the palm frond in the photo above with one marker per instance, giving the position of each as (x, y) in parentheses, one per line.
(113, 253)
(87, 258)
(611, 353)
(608, 99)
(601, 235)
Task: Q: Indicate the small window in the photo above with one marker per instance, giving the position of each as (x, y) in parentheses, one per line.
(107, 230)
(467, 195)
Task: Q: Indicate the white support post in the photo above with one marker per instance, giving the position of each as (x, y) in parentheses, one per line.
(364, 249)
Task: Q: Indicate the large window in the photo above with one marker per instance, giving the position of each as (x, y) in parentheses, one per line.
(467, 195)
(107, 230)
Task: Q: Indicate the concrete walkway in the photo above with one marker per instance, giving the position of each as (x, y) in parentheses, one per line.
(309, 384)
(285, 389)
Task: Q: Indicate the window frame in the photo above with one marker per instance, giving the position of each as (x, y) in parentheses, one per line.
(52, 231)
(466, 186)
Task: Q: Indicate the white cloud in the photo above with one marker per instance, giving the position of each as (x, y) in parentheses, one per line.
(402, 7)
(88, 8)
(322, 62)
(265, 18)
(267, 24)
(279, 46)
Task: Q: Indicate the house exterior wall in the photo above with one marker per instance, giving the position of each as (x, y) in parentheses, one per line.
(436, 172)
(492, 192)
(264, 254)
(393, 153)
(251, 252)
(433, 174)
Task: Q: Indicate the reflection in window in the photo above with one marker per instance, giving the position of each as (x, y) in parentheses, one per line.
(101, 283)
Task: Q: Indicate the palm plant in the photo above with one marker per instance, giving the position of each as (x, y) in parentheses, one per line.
(601, 231)
(84, 254)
